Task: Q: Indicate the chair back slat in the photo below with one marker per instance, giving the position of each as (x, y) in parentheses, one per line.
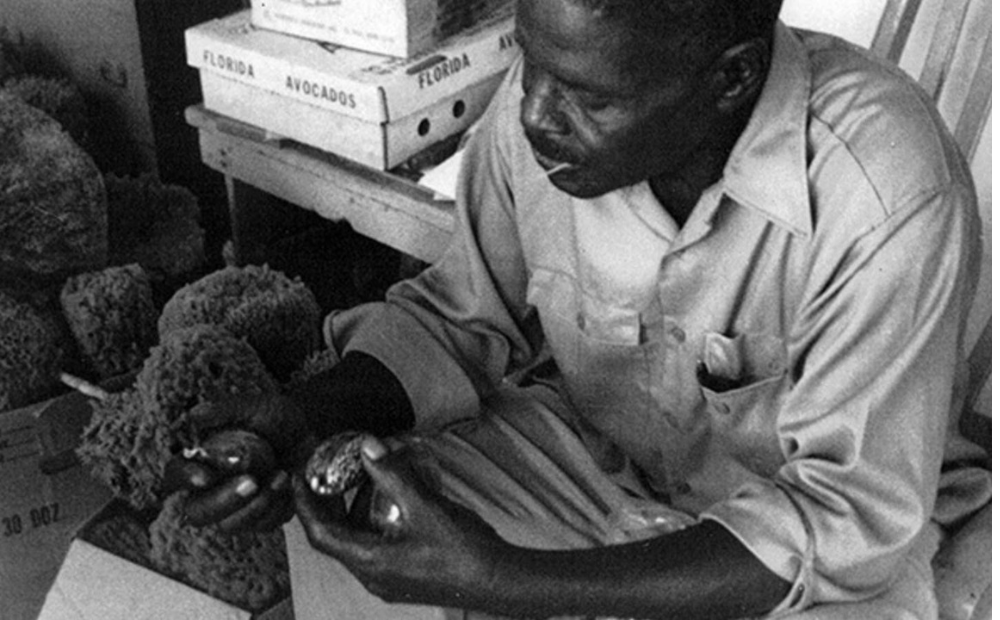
(978, 103)
(943, 45)
(894, 28)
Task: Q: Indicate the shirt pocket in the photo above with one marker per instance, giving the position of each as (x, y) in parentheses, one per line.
(737, 363)
(744, 381)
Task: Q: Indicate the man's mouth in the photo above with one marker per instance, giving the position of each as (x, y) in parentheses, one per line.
(552, 165)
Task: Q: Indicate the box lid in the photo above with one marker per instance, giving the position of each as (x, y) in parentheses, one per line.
(93, 583)
(399, 28)
(347, 81)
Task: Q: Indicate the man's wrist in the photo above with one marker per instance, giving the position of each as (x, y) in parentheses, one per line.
(360, 394)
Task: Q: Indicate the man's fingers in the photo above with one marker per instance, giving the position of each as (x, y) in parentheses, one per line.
(209, 415)
(399, 474)
(236, 451)
(326, 526)
(266, 510)
(373, 448)
(217, 504)
(185, 474)
(392, 471)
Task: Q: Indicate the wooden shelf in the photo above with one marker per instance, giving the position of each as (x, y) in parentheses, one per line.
(258, 166)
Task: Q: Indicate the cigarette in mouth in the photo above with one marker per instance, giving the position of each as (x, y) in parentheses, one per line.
(558, 168)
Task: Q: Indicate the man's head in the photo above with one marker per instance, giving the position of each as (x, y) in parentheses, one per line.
(628, 90)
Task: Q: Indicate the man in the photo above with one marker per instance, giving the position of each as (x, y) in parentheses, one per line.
(691, 352)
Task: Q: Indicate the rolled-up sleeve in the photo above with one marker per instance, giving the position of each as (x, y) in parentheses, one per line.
(452, 333)
(862, 429)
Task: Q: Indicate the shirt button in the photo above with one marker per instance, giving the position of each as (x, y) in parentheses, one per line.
(797, 597)
(581, 322)
(683, 488)
(723, 408)
(677, 334)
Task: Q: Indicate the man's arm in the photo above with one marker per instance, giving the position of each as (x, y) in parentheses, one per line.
(439, 553)
(360, 394)
(700, 572)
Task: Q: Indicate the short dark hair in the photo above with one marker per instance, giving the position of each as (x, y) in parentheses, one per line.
(705, 27)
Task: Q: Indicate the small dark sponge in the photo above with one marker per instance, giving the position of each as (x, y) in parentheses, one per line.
(335, 466)
(278, 315)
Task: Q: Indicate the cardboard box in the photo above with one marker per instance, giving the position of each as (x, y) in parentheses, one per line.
(95, 582)
(379, 145)
(44, 497)
(401, 28)
(322, 589)
(361, 85)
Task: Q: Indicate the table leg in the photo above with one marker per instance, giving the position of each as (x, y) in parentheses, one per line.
(258, 219)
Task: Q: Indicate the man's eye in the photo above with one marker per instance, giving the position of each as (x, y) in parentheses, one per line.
(595, 103)
(592, 102)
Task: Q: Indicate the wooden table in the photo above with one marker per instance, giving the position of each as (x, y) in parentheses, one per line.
(260, 167)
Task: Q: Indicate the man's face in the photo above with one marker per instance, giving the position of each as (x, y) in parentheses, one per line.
(612, 108)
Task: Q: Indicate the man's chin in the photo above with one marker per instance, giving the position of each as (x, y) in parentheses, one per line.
(577, 185)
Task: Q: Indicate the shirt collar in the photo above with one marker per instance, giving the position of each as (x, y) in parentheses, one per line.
(772, 149)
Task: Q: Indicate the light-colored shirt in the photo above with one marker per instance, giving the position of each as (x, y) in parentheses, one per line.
(784, 366)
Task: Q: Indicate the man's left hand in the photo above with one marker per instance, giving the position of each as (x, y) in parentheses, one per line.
(429, 550)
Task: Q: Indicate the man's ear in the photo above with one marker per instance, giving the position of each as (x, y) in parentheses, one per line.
(739, 74)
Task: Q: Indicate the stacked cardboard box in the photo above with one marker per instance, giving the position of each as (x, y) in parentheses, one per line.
(374, 109)
(402, 28)
(44, 497)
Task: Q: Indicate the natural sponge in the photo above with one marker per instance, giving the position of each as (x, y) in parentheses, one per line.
(133, 435)
(59, 98)
(53, 209)
(30, 354)
(156, 225)
(120, 452)
(248, 569)
(278, 315)
(194, 365)
(112, 317)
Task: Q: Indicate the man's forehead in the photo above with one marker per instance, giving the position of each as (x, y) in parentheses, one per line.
(585, 42)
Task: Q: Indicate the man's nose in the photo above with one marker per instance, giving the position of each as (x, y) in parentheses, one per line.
(540, 107)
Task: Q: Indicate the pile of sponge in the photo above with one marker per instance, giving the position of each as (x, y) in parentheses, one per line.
(238, 331)
(113, 246)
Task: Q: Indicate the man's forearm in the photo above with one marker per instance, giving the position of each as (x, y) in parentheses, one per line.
(701, 572)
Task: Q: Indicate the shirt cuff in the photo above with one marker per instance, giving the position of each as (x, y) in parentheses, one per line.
(439, 390)
(768, 524)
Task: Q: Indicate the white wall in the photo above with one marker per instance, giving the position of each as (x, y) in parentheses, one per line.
(855, 20)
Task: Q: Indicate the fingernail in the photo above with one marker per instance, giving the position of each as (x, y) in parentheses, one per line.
(246, 487)
(199, 479)
(373, 449)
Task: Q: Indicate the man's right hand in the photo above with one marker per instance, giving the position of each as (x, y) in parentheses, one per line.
(358, 394)
(252, 492)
